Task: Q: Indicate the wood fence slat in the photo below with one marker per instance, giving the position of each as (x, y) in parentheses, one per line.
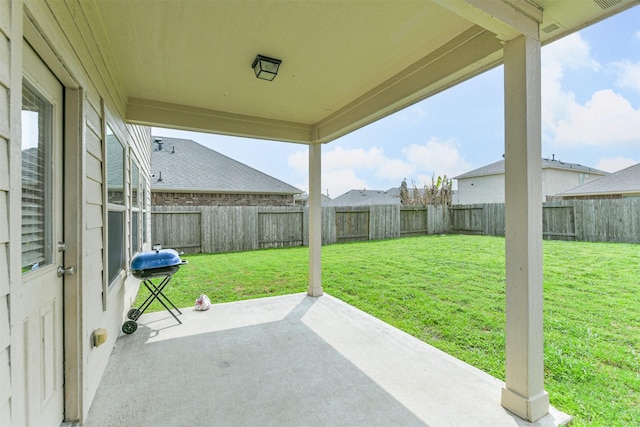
(212, 229)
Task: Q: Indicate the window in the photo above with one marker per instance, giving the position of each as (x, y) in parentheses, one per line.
(144, 210)
(584, 177)
(135, 208)
(115, 206)
(36, 180)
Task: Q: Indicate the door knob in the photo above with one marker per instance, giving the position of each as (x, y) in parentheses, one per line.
(68, 271)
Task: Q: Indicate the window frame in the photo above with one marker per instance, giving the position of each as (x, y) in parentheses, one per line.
(143, 199)
(110, 280)
(46, 164)
(135, 227)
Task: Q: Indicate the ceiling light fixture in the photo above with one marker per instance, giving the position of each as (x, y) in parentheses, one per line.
(266, 68)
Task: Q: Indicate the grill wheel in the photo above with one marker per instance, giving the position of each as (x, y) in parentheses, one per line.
(129, 327)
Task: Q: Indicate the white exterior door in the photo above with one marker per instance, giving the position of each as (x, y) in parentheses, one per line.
(42, 204)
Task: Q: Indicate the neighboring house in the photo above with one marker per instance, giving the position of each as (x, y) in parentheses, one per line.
(303, 199)
(486, 184)
(367, 198)
(371, 197)
(624, 184)
(185, 173)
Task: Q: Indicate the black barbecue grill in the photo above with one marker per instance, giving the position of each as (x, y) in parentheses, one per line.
(158, 263)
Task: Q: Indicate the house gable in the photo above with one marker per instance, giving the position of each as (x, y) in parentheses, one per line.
(486, 184)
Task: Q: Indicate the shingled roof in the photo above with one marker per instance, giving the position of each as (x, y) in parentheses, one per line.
(497, 168)
(626, 181)
(184, 165)
(367, 197)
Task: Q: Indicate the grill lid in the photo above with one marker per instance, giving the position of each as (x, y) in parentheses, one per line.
(160, 258)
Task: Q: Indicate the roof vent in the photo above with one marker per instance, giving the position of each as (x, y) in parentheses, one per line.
(173, 151)
(550, 28)
(159, 142)
(606, 4)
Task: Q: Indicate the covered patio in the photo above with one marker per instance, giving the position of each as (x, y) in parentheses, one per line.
(344, 65)
(291, 360)
(110, 70)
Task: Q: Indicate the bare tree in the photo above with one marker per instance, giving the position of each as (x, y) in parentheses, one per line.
(440, 192)
(405, 197)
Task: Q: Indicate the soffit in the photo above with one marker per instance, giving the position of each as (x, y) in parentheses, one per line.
(186, 64)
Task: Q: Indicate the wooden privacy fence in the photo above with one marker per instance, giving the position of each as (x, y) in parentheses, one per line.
(606, 220)
(212, 229)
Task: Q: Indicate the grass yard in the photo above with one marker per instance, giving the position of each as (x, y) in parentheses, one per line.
(449, 291)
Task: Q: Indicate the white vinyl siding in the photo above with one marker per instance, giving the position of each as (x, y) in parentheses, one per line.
(490, 188)
(481, 189)
(556, 181)
(7, 180)
(65, 31)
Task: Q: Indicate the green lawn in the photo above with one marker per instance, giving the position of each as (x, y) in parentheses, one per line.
(449, 292)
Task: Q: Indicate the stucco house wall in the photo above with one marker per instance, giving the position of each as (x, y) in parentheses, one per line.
(486, 184)
(63, 34)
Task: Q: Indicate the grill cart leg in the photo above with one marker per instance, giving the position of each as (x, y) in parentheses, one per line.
(159, 295)
(157, 292)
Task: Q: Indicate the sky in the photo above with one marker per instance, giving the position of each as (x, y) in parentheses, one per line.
(590, 116)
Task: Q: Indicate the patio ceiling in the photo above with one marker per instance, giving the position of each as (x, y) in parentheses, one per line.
(186, 64)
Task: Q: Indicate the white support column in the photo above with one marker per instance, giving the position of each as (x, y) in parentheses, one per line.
(315, 222)
(524, 392)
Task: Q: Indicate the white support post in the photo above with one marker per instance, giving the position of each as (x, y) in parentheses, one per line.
(315, 221)
(524, 393)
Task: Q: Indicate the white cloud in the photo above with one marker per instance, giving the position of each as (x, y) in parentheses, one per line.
(628, 74)
(347, 169)
(569, 52)
(395, 169)
(339, 182)
(414, 114)
(299, 161)
(436, 156)
(359, 158)
(364, 161)
(614, 164)
(606, 119)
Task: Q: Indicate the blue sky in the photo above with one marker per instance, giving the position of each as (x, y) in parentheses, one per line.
(590, 115)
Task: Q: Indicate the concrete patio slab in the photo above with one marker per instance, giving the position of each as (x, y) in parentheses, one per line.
(291, 361)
